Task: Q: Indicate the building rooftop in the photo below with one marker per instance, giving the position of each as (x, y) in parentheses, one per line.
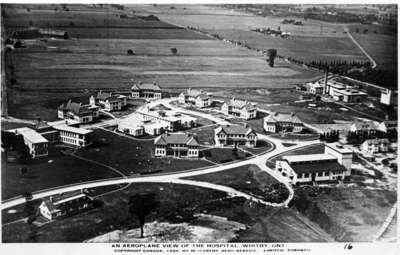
(146, 86)
(315, 167)
(237, 103)
(76, 108)
(376, 141)
(234, 130)
(365, 125)
(338, 147)
(29, 134)
(282, 117)
(308, 157)
(75, 130)
(176, 138)
(63, 122)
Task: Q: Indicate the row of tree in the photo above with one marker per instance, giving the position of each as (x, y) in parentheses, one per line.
(330, 137)
(358, 137)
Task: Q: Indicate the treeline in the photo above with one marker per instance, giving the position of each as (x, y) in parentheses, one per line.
(358, 137)
(330, 137)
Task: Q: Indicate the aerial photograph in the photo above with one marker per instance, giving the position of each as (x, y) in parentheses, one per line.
(199, 123)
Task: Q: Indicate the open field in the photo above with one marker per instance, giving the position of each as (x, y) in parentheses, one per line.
(54, 170)
(328, 40)
(249, 179)
(213, 17)
(134, 156)
(77, 68)
(348, 214)
(382, 48)
(177, 204)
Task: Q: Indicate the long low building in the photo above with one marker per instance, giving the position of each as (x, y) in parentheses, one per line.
(36, 143)
(334, 164)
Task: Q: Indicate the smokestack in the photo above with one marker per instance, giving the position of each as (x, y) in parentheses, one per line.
(326, 80)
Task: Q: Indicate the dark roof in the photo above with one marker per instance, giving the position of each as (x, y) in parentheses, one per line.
(315, 167)
(234, 129)
(75, 108)
(282, 117)
(147, 86)
(178, 138)
(103, 95)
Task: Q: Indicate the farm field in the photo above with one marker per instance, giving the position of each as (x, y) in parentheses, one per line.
(52, 171)
(382, 48)
(177, 204)
(76, 68)
(328, 40)
(133, 156)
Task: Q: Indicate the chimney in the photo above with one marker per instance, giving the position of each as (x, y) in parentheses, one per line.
(275, 113)
(154, 83)
(292, 114)
(140, 82)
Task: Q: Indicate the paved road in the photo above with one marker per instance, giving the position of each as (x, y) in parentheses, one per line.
(259, 160)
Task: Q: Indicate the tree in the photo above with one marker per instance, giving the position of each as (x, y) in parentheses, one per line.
(140, 205)
(130, 52)
(174, 51)
(271, 53)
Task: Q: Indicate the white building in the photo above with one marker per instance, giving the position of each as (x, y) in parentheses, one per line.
(240, 108)
(342, 92)
(372, 146)
(108, 101)
(146, 90)
(235, 135)
(36, 143)
(74, 136)
(389, 97)
(196, 97)
(364, 126)
(316, 88)
(64, 205)
(282, 122)
(176, 145)
(334, 164)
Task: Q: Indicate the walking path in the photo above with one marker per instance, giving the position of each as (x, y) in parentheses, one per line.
(373, 63)
(388, 226)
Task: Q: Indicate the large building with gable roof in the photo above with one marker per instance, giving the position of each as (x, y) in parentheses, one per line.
(176, 145)
(146, 90)
(82, 113)
(282, 122)
(234, 135)
(240, 108)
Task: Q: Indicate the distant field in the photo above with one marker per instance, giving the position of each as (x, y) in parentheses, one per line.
(213, 17)
(382, 48)
(72, 68)
(316, 40)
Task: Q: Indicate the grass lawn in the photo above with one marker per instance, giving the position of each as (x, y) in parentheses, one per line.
(205, 136)
(249, 179)
(348, 214)
(223, 155)
(177, 202)
(54, 170)
(133, 156)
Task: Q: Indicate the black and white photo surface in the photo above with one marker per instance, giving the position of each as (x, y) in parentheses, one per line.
(199, 123)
